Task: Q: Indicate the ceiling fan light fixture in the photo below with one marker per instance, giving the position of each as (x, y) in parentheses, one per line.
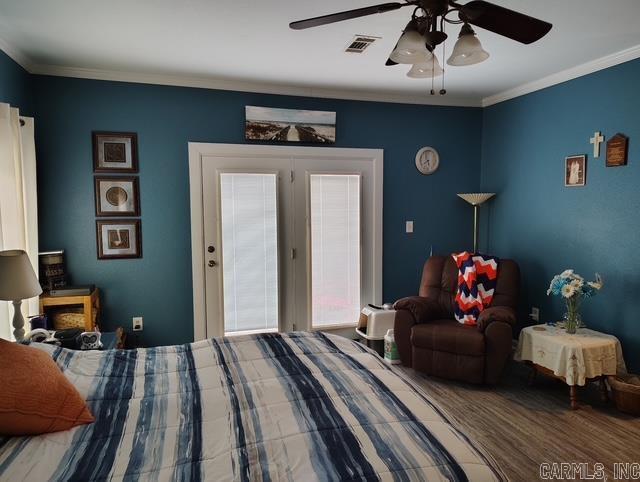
(426, 70)
(411, 47)
(468, 49)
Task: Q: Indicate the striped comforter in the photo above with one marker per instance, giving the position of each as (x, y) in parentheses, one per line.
(271, 407)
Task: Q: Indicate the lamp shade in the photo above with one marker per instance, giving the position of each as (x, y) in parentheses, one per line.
(17, 278)
(468, 49)
(477, 198)
(411, 49)
(428, 69)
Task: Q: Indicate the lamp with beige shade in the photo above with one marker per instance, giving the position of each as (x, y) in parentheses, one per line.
(476, 199)
(18, 282)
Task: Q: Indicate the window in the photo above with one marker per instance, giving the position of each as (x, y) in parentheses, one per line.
(18, 201)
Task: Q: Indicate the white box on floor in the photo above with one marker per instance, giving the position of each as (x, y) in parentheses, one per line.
(374, 323)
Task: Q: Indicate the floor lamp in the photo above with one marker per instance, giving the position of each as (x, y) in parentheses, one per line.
(476, 199)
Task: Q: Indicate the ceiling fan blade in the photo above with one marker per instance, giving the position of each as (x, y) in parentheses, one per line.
(349, 14)
(508, 23)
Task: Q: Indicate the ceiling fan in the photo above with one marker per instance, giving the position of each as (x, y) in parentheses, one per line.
(425, 31)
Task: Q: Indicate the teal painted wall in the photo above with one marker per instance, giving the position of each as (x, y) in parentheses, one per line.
(159, 286)
(548, 227)
(15, 85)
(534, 219)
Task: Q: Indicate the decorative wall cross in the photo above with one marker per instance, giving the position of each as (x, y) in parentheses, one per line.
(596, 140)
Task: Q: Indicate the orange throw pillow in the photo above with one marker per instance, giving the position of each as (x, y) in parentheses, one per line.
(35, 397)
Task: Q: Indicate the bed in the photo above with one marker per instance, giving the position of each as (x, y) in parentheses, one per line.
(298, 407)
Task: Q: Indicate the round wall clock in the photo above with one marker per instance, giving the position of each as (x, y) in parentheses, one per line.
(427, 160)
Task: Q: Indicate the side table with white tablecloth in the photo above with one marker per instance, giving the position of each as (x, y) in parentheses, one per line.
(587, 355)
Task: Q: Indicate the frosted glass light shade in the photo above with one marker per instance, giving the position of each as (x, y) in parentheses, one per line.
(428, 69)
(18, 281)
(477, 198)
(468, 49)
(411, 49)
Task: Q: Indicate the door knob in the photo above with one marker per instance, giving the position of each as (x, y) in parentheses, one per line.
(212, 263)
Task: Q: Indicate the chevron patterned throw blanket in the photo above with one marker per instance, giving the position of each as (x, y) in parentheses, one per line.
(477, 276)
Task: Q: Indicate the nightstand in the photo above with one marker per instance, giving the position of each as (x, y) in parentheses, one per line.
(88, 303)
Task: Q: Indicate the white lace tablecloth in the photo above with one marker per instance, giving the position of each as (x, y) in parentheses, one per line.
(586, 354)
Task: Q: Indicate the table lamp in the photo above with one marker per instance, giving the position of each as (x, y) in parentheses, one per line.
(17, 282)
(476, 199)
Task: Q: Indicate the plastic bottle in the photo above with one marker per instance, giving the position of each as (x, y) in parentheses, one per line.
(390, 349)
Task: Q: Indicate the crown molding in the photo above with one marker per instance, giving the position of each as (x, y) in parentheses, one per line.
(256, 87)
(590, 67)
(16, 55)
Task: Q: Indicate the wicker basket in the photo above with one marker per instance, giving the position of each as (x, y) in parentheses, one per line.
(71, 318)
(626, 393)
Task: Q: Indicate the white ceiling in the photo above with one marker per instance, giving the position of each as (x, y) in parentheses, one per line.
(249, 42)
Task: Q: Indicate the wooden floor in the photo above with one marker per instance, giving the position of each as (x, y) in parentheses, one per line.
(522, 426)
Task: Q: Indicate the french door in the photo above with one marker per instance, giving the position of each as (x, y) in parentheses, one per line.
(247, 224)
(283, 238)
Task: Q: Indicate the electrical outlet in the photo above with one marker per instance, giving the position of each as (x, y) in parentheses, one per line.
(137, 323)
(409, 227)
(535, 313)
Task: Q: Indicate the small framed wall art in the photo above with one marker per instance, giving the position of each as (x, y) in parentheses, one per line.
(117, 196)
(617, 150)
(575, 171)
(115, 152)
(119, 238)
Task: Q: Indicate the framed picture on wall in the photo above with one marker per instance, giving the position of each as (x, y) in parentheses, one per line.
(117, 196)
(115, 152)
(575, 171)
(119, 238)
(289, 125)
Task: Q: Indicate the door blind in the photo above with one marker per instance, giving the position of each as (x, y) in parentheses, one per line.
(249, 221)
(335, 248)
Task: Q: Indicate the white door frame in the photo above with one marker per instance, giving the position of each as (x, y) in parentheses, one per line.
(199, 150)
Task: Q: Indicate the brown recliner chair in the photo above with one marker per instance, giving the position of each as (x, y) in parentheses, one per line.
(430, 339)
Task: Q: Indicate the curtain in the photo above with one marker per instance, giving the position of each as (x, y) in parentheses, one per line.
(18, 200)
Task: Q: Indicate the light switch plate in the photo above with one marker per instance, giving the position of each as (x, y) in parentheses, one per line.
(535, 313)
(409, 227)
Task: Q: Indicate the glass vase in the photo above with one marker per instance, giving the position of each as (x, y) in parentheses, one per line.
(572, 321)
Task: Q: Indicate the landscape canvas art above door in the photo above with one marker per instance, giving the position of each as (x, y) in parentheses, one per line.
(290, 125)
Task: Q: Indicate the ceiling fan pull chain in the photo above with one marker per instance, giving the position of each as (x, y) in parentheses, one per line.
(444, 56)
(433, 92)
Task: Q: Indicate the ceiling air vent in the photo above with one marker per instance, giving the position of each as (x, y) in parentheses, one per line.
(360, 43)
